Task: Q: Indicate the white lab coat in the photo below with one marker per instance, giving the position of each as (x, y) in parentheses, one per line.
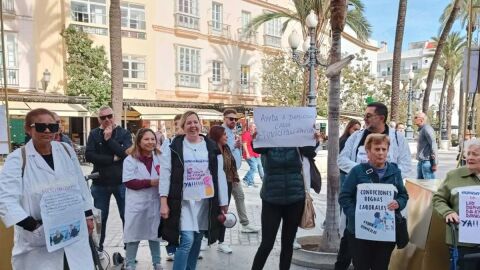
(20, 198)
(142, 207)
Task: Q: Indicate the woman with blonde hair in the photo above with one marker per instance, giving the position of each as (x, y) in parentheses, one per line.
(141, 174)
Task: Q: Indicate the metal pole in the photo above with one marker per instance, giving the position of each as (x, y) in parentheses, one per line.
(443, 133)
(312, 51)
(4, 66)
(409, 129)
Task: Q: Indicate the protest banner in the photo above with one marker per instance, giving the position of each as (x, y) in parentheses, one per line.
(284, 127)
(469, 213)
(373, 220)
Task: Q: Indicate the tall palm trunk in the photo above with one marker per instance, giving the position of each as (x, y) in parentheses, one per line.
(397, 58)
(441, 111)
(461, 111)
(331, 236)
(450, 96)
(438, 52)
(116, 59)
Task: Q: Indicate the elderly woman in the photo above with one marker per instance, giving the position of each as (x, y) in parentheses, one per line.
(193, 192)
(371, 254)
(39, 169)
(446, 199)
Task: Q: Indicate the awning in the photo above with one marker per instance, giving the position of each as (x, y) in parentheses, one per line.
(62, 109)
(359, 118)
(17, 108)
(209, 114)
(157, 113)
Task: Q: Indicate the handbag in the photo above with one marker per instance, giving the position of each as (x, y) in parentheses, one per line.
(401, 233)
(315, 177)
(308, 217)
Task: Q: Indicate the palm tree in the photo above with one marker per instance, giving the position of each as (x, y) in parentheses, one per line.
(116, 59)
(436, 57)
(397, 58)
(355, 20)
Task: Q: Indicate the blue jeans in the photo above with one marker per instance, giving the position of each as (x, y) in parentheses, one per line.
(101, 200)
(187, 252)
(171, 248)
(131, 253)
(255, 165)
(424, 170)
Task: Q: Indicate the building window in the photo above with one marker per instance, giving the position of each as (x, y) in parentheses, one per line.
(187, 14)
(188, 67)
(11, 56)
(134, 67)
(246, 17)
(244, 75)
(414, 66)
(133, 16)
(273, 33)
(217, 16)
(89, 11)
(216, 72)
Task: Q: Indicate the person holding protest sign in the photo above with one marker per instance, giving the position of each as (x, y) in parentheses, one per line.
(372, 254)
(354, 153)
(283, 199)
(446, 201)
(193, 192)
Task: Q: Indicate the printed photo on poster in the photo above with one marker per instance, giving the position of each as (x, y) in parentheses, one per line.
(64, 233)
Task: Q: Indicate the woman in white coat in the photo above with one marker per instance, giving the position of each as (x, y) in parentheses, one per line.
(141, 173)
(41, 169)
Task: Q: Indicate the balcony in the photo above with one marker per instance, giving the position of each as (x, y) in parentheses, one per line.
(187, 80)
(12, 77)
(219, 30)
(8, 6)
(134, 34)
(187, 21)
(247, 38)
(246, 90)
(90, 29)
(272, 41)
(219, 89)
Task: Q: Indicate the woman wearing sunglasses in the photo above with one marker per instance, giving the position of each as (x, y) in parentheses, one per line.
(44, 167)
(141, 173)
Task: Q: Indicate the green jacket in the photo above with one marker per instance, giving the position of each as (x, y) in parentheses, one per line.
(445, 200)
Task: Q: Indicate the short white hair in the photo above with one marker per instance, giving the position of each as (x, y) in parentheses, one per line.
(472, 142)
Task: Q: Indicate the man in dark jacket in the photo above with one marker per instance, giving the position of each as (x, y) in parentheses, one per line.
(106, 147)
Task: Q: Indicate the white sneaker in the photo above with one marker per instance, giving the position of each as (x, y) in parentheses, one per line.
(204, 245)
(296, 245)
(224, 248)
(249, 229)
(170, 257)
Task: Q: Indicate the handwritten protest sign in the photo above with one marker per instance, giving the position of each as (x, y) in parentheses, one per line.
(373, 221)
(284, 127)
(469, 213)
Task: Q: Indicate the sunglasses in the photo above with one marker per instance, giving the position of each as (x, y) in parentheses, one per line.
(368, 116)
(109, 116)
(42, 127)
(232, 118)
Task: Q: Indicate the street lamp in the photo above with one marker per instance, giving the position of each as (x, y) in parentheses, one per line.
(443, 119)
(409, 129)
(312, 56)
(45, 80)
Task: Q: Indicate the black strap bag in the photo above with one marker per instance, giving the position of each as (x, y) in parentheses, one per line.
(401, 231)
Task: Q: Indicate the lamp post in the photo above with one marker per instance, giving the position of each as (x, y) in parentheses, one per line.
(443, 113)
(409, 129)
(45, 80)
(312, 56)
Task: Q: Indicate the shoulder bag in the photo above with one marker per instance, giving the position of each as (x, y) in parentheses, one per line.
(308, 216)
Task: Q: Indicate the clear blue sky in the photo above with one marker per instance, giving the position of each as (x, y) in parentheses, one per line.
(422, 20)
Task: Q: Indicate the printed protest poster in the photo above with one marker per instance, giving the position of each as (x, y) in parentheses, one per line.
(284, 126)
(373, 221)
(197, 183)
(63, 217)
(469, 213)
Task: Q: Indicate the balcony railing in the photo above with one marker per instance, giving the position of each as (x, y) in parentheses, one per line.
(247, 37)
(8, 6)
(91, 29)
(12, 76)
(188, 80)
(272, 41)
(187, 21)
(218, 29)
(221, 86)
(246, 88)
(134, 34)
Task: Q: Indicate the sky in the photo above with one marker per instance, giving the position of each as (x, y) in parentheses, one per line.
(422, 21)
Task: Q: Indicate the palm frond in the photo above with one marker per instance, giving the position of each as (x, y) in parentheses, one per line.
(359, 24)
(256, 22)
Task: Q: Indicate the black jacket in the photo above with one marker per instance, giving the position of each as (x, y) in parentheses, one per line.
(170, 227)
(101, 153)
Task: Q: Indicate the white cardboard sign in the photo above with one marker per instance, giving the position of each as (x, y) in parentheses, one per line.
(373, 220)
(469, 213)
(284, 126)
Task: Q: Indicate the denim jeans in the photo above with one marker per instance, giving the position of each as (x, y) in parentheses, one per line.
(101, 200)
(171, 248)
(187, 252)
(255, 165)
(131, 253)
(424, 170)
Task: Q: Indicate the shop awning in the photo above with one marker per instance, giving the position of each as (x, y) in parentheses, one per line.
(17, 108)
(62, 109)
(209, 114)
(359, 118)
(157, 113)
